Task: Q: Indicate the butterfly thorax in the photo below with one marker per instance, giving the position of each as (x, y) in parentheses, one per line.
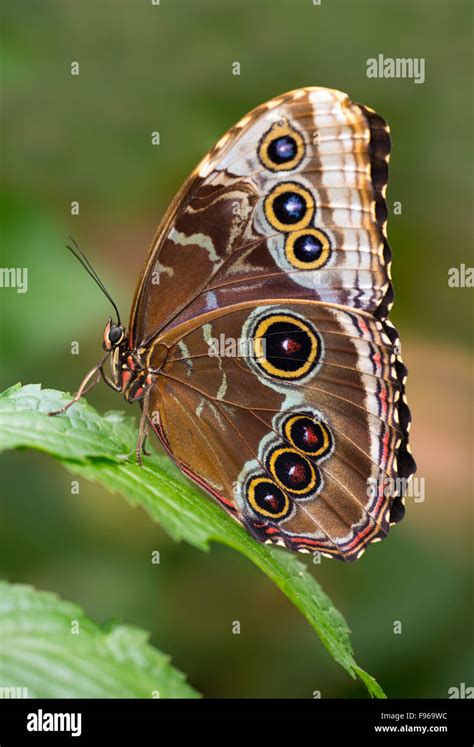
(130, 373)
(134, 370)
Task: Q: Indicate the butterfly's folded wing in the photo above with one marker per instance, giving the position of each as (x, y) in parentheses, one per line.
(279, 237)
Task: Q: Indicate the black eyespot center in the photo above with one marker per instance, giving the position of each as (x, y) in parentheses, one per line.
(282, 149)
(307, 248)
(289, 207)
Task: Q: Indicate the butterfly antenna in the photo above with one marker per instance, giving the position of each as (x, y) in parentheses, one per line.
(77, 252)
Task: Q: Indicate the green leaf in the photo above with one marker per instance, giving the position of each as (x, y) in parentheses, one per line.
(96, 447)
(51, 648)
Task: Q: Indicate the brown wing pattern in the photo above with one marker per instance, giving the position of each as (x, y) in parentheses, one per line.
(222, 415)
(218, 228)
(282, 392)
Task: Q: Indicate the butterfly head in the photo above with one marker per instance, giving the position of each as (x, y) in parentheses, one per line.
(114, 335)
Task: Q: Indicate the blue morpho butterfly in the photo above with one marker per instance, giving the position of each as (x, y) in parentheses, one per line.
(259, 346)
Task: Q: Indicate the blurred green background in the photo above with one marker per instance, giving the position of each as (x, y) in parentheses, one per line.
(168, 68)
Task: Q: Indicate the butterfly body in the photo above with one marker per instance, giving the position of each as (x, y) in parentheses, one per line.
(259, 345)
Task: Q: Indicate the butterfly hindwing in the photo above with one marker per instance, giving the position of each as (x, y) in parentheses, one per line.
(299, 371)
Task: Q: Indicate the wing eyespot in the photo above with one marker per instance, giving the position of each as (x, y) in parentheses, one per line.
(286, 346)
(281, 148)
(267, 499)
(308, 435)
(293, 472)
(289, 207)
(308, 249)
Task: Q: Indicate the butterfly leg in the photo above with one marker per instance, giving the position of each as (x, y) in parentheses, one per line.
(142, 432)
(88, 382)
(140, 447)
(109, 381)
(144, 450)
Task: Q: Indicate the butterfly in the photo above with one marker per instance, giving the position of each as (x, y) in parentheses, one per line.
(259, 346)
